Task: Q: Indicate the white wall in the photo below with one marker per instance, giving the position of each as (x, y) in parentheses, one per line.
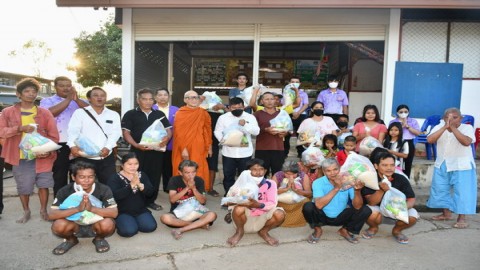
(470, 101)
(358, 100)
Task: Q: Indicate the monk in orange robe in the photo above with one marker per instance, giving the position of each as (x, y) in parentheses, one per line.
(192, 138)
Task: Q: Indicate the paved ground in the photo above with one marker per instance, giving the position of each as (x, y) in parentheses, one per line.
(433, 245)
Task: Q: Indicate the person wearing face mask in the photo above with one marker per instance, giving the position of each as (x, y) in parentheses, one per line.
(299, 113)
(234, 158)
(258, 216)
(343, 130)
(335, 100)
(315, 127)
(411, 129)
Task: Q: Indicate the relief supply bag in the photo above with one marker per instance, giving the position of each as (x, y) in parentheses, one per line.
(312, 156)
(233, 136)
(243, 189)
(33, 144)
(367, 145)
(394, 204)
(85, 217)
(190, 210)
(153, 136)
(282, 122)
(357, 167)
(291, 197)
(87, 147)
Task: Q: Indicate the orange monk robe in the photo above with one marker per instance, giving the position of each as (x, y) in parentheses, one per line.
(192, 131)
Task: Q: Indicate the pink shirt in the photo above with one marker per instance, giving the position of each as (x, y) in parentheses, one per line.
(10, 120)
(374, 132)
(267, 194)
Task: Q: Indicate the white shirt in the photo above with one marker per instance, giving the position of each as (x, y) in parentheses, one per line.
(457, 157)
(250, 128)
(399, 162)
(81, 124)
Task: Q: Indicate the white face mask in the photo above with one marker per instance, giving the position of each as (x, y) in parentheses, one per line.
(257, 179)
(333, 85)
(296, 85)
(403, 115)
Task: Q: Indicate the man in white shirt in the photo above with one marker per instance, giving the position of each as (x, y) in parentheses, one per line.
(102, 127)
(234, 158)
(454, 169)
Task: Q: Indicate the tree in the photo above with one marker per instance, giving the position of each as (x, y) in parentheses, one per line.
(34, 52)
(100, 56)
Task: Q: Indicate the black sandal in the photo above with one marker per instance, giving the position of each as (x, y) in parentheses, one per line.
(64, 247)
(101, 245)
(228, 217)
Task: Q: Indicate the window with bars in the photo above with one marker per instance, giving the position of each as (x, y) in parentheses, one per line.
(443, 42)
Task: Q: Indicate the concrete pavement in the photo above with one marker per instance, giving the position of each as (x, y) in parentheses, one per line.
(433, 245)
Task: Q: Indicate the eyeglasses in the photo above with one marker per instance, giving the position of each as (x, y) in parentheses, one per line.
(193, 97)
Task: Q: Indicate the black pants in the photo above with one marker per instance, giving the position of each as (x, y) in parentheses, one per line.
(104, 168)
(231, 168)
(166, 169)
(273, 160)
(60, 168)
(151, 163)
(350, 218)
(409, 160)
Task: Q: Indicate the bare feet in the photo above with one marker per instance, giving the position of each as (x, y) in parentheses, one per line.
(176, 234)
(44, 215)
(25, 217)
(270, 240)
(206, 227)
(233, 241)
(442, 217)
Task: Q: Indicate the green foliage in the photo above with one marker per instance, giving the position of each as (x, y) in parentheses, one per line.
(100, 56)
(34, 53)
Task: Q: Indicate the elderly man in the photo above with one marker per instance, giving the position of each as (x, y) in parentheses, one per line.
(134, 123)
(15, 123)
(454, 169)
(330, 205)
(182, 188)
(262, 215)
(102, 126)
(62, 105)
(83, 173)
(384, 163)
(192, 139)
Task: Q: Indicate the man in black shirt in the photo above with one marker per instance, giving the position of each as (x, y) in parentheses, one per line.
(184, 187)
(385, 165)
(83, 173)
(134, 123)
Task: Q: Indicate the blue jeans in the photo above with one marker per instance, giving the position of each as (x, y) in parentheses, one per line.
(128, 226)
(231, 168)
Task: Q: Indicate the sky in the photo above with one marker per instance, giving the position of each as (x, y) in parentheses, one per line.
(42, 20)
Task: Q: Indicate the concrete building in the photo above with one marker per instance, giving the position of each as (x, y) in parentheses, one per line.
(386, 52)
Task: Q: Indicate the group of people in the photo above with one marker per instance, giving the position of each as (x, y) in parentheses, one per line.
(187, 161)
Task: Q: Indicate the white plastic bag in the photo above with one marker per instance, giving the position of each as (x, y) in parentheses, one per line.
(190, 210)
(243, 189)
(312, 156)
(357, 167)
(291, 197)
(309, 136)
(394, 204)
(282, 122)
(289, 95)
(87, 147)
(85, 217)
(154, 135)
(367, 145)
(33, 144)
(211, 99)
(246, 95)
(233, 136)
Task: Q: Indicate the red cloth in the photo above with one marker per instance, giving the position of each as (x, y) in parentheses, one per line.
(341, 157)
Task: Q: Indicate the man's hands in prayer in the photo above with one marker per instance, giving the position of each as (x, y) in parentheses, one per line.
(85, 204)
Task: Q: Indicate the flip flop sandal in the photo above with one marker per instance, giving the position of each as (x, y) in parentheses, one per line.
(63, 247)
(101, 245)
(441, 218)
(460, 225)
(367, 234)
(312, 239)
(350, 238)
(213, 193)
(401, 239)
(228, 217)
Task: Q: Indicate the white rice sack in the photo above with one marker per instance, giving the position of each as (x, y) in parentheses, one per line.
(290, 197)
(367, 145)
(45, 148)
